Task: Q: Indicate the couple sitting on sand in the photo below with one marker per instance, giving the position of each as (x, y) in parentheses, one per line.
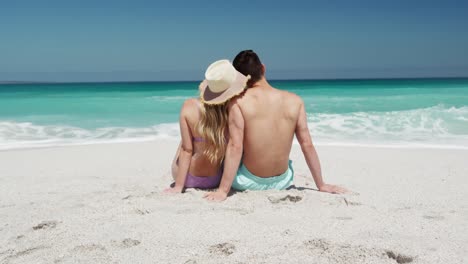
(240, 132)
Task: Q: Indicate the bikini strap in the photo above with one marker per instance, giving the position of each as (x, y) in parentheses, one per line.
(198, 139)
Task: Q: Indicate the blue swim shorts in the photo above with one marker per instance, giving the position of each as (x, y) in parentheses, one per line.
(245, 180)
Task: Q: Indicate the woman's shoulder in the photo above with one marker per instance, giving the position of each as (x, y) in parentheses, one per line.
(190, 105)
(191, 102)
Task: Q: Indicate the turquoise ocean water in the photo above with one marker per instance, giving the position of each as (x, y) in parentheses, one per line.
(419, 112)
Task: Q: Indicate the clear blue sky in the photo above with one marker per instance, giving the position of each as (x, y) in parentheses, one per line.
(176, 40)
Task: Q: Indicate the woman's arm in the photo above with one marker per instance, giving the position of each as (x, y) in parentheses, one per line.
(186, 150)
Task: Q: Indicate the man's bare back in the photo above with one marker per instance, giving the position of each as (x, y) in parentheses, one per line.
(270, 118)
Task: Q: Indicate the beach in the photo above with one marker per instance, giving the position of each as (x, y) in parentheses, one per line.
(96, 96)
(103, 203)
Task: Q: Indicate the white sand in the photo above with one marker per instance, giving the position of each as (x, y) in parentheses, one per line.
(103, 204)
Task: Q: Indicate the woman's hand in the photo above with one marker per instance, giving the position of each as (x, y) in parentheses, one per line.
(172, 190)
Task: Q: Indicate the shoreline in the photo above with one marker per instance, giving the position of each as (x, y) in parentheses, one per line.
(395, 145)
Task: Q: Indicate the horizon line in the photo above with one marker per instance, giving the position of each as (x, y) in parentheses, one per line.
(273, 80)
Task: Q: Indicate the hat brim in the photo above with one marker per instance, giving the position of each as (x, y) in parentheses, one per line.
(237, 87)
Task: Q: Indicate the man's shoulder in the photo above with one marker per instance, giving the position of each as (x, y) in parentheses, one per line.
(257, 94)
(290, 96)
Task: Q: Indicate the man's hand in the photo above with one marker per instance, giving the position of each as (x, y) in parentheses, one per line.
(332, 189)
(215, 196)
(173, 190)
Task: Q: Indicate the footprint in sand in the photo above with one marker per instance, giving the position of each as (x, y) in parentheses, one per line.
(127, 197)
(434, 217)
(142, 211)
(190, 261)
(45, 225)
(14, 255)
(274, 199)
(128, 242)
(348, 253)
(223, 249)
(350, 203)
(399, 258)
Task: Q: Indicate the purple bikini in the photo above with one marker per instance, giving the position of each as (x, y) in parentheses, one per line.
(208, 182)
(202, 182)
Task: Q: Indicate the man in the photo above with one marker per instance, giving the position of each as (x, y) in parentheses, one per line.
(262, 124)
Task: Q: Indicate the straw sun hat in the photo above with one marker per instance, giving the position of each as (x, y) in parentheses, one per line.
(222, 82)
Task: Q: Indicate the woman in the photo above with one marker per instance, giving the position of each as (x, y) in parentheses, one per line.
(203, 128)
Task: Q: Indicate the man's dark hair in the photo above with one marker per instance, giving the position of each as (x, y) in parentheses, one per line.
(247, 62)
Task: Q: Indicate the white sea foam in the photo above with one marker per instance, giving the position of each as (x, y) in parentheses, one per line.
(27, 135)
(161, 98)
(436, 126)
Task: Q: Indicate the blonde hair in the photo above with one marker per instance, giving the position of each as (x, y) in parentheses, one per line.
(212, 128)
